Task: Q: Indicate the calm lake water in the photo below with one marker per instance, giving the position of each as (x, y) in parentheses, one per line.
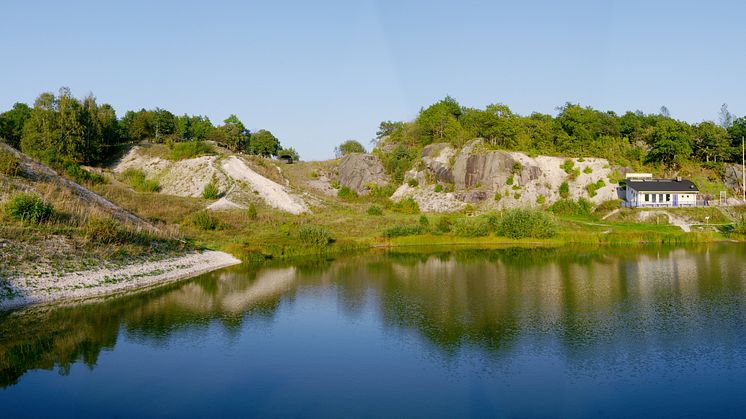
(513, 332)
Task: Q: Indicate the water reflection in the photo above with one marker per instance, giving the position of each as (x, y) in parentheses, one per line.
(592, 306)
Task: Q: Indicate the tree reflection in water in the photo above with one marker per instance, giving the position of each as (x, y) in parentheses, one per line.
(580, 302)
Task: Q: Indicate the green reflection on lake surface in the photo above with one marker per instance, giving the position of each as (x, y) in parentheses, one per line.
(462, 332)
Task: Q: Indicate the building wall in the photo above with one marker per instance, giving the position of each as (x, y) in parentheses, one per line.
(660, 199)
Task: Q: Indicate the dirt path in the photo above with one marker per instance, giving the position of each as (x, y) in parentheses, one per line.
(274, 194)
(87, 284)
(674, 219)
(610, 214)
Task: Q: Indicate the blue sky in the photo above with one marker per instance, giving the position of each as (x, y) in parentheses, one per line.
(318, 73)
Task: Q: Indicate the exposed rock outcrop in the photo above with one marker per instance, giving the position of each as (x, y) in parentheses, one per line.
(734, 177)
(238, 182)
(498, 179)
(357, 171)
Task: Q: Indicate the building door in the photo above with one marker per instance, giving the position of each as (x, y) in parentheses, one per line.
(675, 200)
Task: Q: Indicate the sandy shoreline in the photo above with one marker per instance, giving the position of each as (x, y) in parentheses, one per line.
(94, 283)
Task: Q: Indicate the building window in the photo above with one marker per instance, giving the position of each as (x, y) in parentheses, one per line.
(668, 197)
(647, 197)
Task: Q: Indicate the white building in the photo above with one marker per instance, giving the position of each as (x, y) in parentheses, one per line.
(647, 192)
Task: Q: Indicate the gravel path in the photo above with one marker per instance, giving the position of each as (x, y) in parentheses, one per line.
(87, 284)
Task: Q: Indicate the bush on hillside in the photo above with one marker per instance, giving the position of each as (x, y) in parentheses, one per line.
(346, 193)
(106, 230)
(374, 210)
(739, 226)
(211, 190)
(471, 227)
(520, 223)
(444, 224)
(379, 191)
(10, 165)
(28, 208)
(205, 220)
(593, 187)
(568, 207)
(190, 150)
(608, 206)
(406, 206)
(251, 212)
(313, 235)
(137, 180)
(80, 175)
(405, 230)
(564, 190)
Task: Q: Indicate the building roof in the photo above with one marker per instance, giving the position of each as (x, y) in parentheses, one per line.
(662, 185)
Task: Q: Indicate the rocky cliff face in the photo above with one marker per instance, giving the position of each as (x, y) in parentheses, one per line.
(358, 171)
(499, 179)
(734, 177)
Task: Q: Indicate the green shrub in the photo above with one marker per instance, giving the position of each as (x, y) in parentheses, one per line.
(28, 207)
(105, 230)
(593, 187)
(615, 177)
(10, 165)
(492, 221)
(520, 223)
(498, 196)
(541, 199)
(517, 167)
(384, 191)
(739, 226)
(517, 196)
(413, 183)
(469, 209)
(346, 193)
(313, 235)
(516, 188)
(424, 221)
(137, 180)
(211, 190)
(608, 206)
(444, 224)
(406, 206)
(567, 207)
(564, 190)
(206, 220)
(509, 181)
(251, 211)
(80, 175)
(314, 174)
(587, 170)
(567, 166)
(404, 230)
(190, 149)
(374, 210)
(439, 188)
(471, 227)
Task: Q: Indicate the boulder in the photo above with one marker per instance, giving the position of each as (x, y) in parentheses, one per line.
(357, 171)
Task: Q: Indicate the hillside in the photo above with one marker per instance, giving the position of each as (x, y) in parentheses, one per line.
(58, 239)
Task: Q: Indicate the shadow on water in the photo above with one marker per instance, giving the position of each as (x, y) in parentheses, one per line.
(583, 301)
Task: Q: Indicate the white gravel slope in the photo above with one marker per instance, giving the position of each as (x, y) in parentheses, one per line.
(274, 194)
